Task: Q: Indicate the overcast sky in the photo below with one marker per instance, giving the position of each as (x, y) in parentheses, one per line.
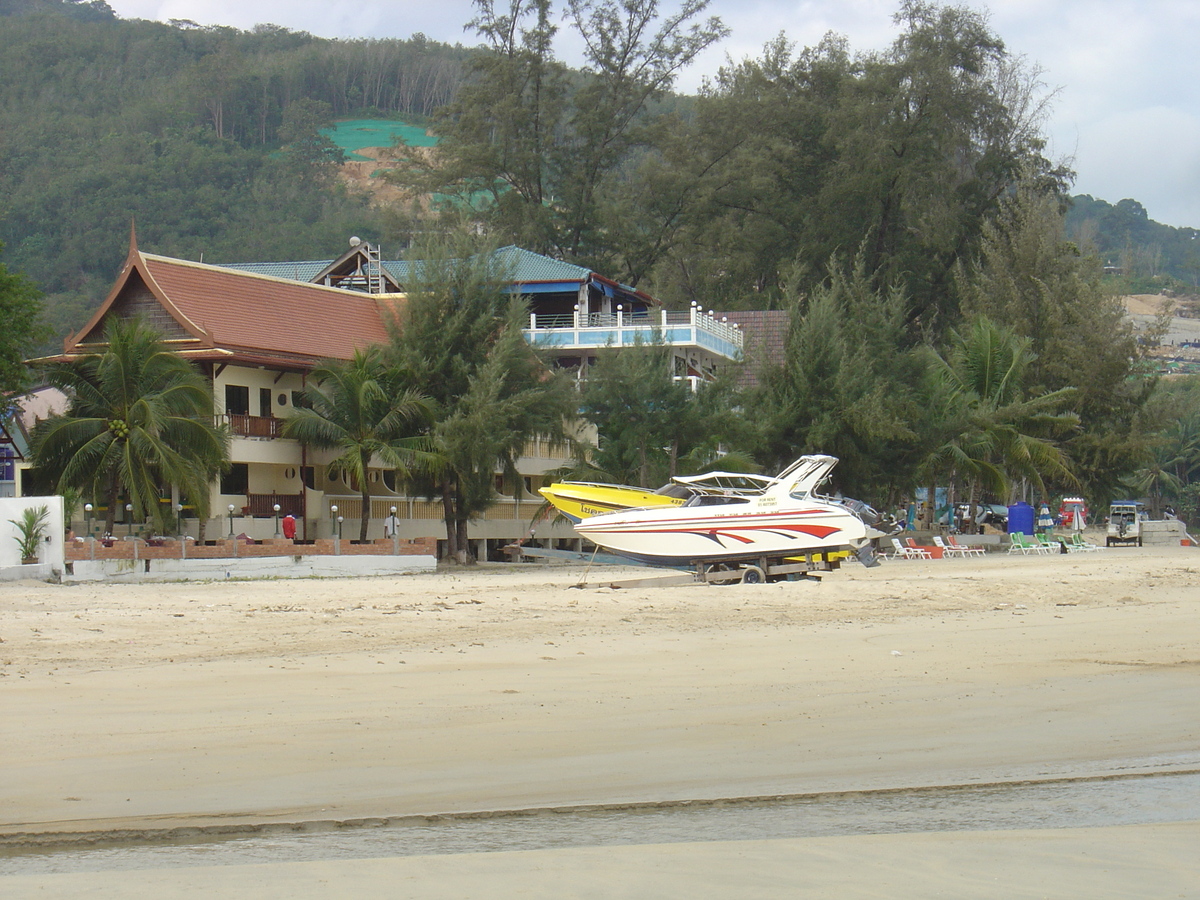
(1127, 112)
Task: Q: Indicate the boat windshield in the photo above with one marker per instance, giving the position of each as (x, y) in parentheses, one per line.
(678, 491)
(715, 500)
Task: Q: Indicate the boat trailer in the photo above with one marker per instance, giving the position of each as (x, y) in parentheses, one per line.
(739, 570)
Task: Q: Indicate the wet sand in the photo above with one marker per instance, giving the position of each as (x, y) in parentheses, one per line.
(132, 708)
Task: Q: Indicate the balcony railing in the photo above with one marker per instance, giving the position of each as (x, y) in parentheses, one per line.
(263, 505)
(692, 327)
(254, 426)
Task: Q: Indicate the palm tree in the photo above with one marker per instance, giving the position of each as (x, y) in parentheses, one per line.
(140, 417)
(1157, 480)
(991, 431)
(355, 406)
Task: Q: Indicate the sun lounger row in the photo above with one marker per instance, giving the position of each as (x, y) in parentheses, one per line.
(1019, 543)
(950, 548)
(1044, 544)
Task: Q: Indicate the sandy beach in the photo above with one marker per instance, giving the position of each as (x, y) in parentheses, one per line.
(135, 708)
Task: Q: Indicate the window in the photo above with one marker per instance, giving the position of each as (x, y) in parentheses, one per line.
(281, 399)
(236, 480)
(264, 402)
(298, 401)
(237, 400)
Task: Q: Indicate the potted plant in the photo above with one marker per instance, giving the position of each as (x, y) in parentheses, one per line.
(33, 524)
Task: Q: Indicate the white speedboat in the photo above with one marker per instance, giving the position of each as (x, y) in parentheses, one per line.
(784, 519)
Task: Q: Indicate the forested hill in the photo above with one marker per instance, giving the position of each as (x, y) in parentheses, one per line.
(105, 121)
(178, 128)
(1150, 256)
(80, 10)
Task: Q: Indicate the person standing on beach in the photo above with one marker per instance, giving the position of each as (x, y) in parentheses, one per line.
(390, 526)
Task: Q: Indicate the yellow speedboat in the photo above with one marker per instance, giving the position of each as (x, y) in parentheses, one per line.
(579, 500)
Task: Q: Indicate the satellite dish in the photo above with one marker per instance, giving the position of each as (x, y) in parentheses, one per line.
(355, 241)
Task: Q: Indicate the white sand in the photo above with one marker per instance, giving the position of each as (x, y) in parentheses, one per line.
(158, 706)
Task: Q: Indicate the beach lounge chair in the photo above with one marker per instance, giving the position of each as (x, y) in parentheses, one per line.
(903, 552)
(919, 551)
(1027, 544)
(1078, 545)
(1034, 543)
(947, 551)
(1049, 543)
(967, 551)
(1022, 544)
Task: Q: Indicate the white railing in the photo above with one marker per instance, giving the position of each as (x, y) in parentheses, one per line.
(696, 319)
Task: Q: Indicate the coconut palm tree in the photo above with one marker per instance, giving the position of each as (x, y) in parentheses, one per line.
(356, 406)
(1157, 479)
(140, 417)
(990, 431)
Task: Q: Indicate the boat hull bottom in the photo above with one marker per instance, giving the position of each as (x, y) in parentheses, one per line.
(820, 554)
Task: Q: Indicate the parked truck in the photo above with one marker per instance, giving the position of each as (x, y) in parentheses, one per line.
(1125, 519)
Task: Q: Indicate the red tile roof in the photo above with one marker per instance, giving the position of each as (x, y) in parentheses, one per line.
(212, 312)
(242, 311)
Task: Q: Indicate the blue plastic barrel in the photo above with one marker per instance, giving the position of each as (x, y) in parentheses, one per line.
(1021, 518)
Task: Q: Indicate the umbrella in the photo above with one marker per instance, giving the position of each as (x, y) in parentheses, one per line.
(1045, 522)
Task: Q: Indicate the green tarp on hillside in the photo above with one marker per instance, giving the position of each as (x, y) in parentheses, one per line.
(354, 134)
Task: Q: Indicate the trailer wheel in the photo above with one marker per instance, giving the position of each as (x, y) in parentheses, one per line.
(753, 575)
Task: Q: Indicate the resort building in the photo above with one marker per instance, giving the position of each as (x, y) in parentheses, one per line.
(258, 330)
(14, 448)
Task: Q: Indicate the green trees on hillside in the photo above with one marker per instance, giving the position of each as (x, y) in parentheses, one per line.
(905, 153)
(175, 126)
(20, 311)
(1150, 256)
(549, 146)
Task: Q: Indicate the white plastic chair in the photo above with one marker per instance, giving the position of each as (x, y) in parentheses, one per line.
(966, 550)
(947, 551)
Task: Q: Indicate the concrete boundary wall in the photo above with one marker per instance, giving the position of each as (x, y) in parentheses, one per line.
(138, 549)
(129, 570)
(35, 572)
(1166, 531)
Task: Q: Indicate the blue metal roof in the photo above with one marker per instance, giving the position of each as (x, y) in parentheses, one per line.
(525, 265)
(520, 265)
(294, 271)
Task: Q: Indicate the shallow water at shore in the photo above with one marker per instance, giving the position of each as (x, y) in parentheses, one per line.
(1134, 800)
